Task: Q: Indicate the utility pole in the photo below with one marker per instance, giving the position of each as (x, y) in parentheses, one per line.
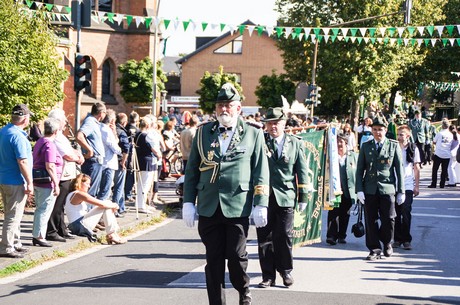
(154, 76)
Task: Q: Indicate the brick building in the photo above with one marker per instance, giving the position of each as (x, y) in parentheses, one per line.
(249, 57)
(109, 44)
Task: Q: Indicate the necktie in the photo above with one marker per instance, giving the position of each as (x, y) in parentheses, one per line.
(275, 148)
(379, 147)
(224, 129)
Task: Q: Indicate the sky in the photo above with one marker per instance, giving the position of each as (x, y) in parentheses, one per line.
(213, 12)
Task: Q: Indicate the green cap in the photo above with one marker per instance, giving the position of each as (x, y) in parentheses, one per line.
(228, 93)
(379, 121)
(275, 114)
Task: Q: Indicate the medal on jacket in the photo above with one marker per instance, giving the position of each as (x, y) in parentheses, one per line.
(215, 144)
(210, 155)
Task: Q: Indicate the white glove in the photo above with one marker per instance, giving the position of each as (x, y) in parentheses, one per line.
(302, 206)
(260, 216)
(400, 198)
(361, 197)
(427, 142)
(188, 214)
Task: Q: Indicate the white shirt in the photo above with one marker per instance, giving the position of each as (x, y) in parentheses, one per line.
(74, 211)
(111, 147)
(443, 140)
(409, 177)
(225, 138)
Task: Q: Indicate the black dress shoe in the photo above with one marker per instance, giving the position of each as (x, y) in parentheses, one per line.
(41, 243)
(331, 241)
(22, 249)
(288, 280)
(431, 186)
(118, 215)
(56, 238)
(266, 283)
(341, 241)
(388, 251)
(13, 254)
(373, 256)
(245, 298)
(69, 236)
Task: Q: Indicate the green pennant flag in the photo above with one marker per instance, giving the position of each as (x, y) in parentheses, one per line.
(360, 39)
(49, 6)
(307, 224)
(279, 31)
(450, 29)
(148, 21)
(372, 31)
(458, 41)
(29, 3)
(68, 9)
(399, 41)
(241, 28)
(320, 38)
(129, 19)
(297, 31)
(430, 29)
(353, 32)
(166, 22)
(373, 39)
(333, 38)
(222, 26)
(444, 41)
(316, 31)
(110, 16)
(185, 24)
(411, 30)
(427, 41)
(346, 38)
(204, 25)
(335, 31)
(391, 31)
(413, 42)
(260, 29)
(386, 40)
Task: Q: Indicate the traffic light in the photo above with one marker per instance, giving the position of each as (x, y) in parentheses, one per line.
(313, 95)
(82, 72)
(81, 13)
(407, 8)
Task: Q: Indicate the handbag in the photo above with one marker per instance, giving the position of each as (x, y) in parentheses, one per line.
(358, 228)
(40, 176)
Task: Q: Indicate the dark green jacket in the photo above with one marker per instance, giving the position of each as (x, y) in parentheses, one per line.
(236, 180)
(420, 130)
(350, 168)
(284, 170)
(379, 171)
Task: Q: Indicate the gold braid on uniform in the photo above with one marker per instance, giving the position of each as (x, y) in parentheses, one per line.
(205, 163)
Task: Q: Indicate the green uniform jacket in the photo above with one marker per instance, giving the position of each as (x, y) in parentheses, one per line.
(283, 171)
(236, 180)
(379, 171)
(350, 167)
(420, 130)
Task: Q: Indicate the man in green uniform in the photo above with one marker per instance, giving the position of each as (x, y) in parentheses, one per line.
(420, 133)
(287, 162)
(227, 173)
(379, 176)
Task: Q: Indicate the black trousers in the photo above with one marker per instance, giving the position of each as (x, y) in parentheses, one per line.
(338, 219)
(428, 150)
(421, 150)
(56, 223)
(275, 241)
(434, 170)
(379, 207)
(224, 238)
(403, 219)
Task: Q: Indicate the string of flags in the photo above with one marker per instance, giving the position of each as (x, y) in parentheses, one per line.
(443, 86)
(432, 35)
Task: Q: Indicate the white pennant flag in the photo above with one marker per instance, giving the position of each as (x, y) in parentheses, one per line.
(433, 42)
(301, 35)
(400, 31)
(307, 31)
(232, 28)
(419, 41)
(156, 21)
(39, 5)
(214, 26)
(119, 18)
(363, 31)
(440, 29)
(392, 41)
(95, 19)
(313, 38)
(269, 30)
(139, 20)
(382, 31)
(366, 39)
(458, 28)
(251, 29)
(352, 38)
(420, 29)
(345, 31)
(326, 31)
(406, 41)
(193, 23)
(340, 38)
(380, 40)
(452, 41)
(101, 16)
(58, 7)
(176, 24)
(326, 37)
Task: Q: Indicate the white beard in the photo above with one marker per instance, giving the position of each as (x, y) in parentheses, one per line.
(226, 120)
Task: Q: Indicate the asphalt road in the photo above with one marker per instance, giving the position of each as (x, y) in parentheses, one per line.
(165, 265)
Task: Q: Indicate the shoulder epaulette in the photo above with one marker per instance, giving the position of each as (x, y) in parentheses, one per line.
(394, 141)
(255, 124)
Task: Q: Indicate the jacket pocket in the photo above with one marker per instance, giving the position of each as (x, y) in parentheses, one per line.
(200, 186)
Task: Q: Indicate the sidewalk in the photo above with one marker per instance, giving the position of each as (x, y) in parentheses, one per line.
(167, 192)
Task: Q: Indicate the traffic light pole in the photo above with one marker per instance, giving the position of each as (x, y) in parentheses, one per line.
(154, 76)
(78, 47)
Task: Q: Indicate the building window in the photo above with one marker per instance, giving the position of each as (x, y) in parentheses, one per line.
(233, 47)
(106, 78)
(102, 5)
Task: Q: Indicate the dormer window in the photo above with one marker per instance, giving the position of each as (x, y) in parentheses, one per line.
(232, 47)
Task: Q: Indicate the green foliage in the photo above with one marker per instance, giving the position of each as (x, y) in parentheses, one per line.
(271, 88)
(29, 66)
(136, 80)
(210, 85)
(346, 71)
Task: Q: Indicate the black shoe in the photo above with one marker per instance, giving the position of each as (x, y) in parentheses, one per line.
(14, 254)
(245, 298)
(407, 246)
(341, 241)
(56, 238)
(431, 186)
(21, 249)
(373, 256)
(41, 243)
(388, 251)
(441, 186)
(331, 241)
(288, 280)
(118, 215)
(69, 236)
(451, 185)
(266, 283)
(396, 244)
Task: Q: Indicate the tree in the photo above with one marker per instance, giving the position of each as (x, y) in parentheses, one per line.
(210, 85)
(271, 88)
(136, 80)
(29, 69)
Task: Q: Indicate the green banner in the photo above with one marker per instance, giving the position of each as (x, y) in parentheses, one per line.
(307, 225)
